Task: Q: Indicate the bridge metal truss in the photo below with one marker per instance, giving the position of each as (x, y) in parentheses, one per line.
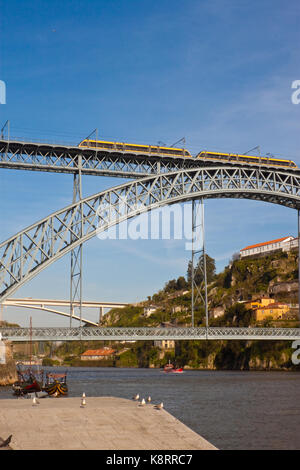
(32, 156)
(28, 252)
(38, 156)
(151, 334)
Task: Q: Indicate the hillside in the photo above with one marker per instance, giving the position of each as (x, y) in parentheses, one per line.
(273, 276)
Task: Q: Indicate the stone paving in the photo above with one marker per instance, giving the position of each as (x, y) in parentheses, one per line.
(105, 423)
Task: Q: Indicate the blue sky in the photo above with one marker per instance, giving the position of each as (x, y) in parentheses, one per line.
(218, 72)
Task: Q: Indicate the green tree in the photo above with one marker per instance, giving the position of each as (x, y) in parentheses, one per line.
(198, 270)
(238, 315)
(181, 283)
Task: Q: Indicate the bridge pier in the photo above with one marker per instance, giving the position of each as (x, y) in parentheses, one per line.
(101, 313)
(299, 264)
(76, 253)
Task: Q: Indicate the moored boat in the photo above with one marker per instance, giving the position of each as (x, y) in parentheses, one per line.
(171, 368)
(56, 385)
(28, 381)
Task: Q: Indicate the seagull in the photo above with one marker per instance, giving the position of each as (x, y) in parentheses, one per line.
(136, 397)
(142, 403)
(83, 395)
(35, 402)
(6, 442)
(148, 399)
(83, 403)
(159, 407)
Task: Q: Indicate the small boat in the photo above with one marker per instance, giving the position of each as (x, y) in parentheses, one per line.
(177, 370)
(28, 381)
(171, 368)
(56, 385)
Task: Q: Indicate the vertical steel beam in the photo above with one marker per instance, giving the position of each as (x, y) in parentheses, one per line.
(204, 265)
(76, 254)
(299, 264)
(198, 239)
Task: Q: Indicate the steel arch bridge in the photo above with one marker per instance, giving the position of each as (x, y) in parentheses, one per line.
(33, 249)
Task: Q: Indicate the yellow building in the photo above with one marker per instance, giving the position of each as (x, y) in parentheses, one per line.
(276, 311)
(259, 303)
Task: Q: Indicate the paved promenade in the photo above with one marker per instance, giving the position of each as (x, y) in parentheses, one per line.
(104, 423)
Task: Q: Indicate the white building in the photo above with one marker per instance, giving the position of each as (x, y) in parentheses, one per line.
(149, 310)
(165, 344)
(283, 244)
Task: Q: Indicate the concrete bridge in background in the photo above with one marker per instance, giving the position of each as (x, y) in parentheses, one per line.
(47, 305)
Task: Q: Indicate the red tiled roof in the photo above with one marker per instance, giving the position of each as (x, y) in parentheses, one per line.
(98, 352)
(264, 243)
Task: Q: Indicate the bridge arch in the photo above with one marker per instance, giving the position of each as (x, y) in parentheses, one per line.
(31, 250)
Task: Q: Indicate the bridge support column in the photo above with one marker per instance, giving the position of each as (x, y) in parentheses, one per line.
(76, 253)
(101, 313)
(299, 265)
(199, 291)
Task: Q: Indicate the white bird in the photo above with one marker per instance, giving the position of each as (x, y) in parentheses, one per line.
(83, 395)
(35, 402)
(159, 407)
(143, 402)
(148, 399)
(83, 403)
(136, 397)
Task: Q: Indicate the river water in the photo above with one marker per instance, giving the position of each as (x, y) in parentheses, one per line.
(232, 410)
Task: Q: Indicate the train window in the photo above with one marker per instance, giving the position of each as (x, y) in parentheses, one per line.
(104, 145)
(209, 155)
(136, 148)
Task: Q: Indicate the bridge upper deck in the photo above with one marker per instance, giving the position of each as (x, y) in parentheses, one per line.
(42, 156)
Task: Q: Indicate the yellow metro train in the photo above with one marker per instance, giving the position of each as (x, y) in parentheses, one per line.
(180, 152)
(125, 147)
(232, 157)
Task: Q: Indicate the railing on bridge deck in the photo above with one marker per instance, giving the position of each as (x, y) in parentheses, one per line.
(147, 333)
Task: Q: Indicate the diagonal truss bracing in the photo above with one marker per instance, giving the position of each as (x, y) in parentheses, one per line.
(27, 253)
(147, 333)
(34, 156)
(38, 156)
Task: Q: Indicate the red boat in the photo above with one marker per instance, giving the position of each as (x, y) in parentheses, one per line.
(171, 368)
(28, 381)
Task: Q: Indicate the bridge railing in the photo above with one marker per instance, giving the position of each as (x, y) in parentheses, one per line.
(147, 333)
